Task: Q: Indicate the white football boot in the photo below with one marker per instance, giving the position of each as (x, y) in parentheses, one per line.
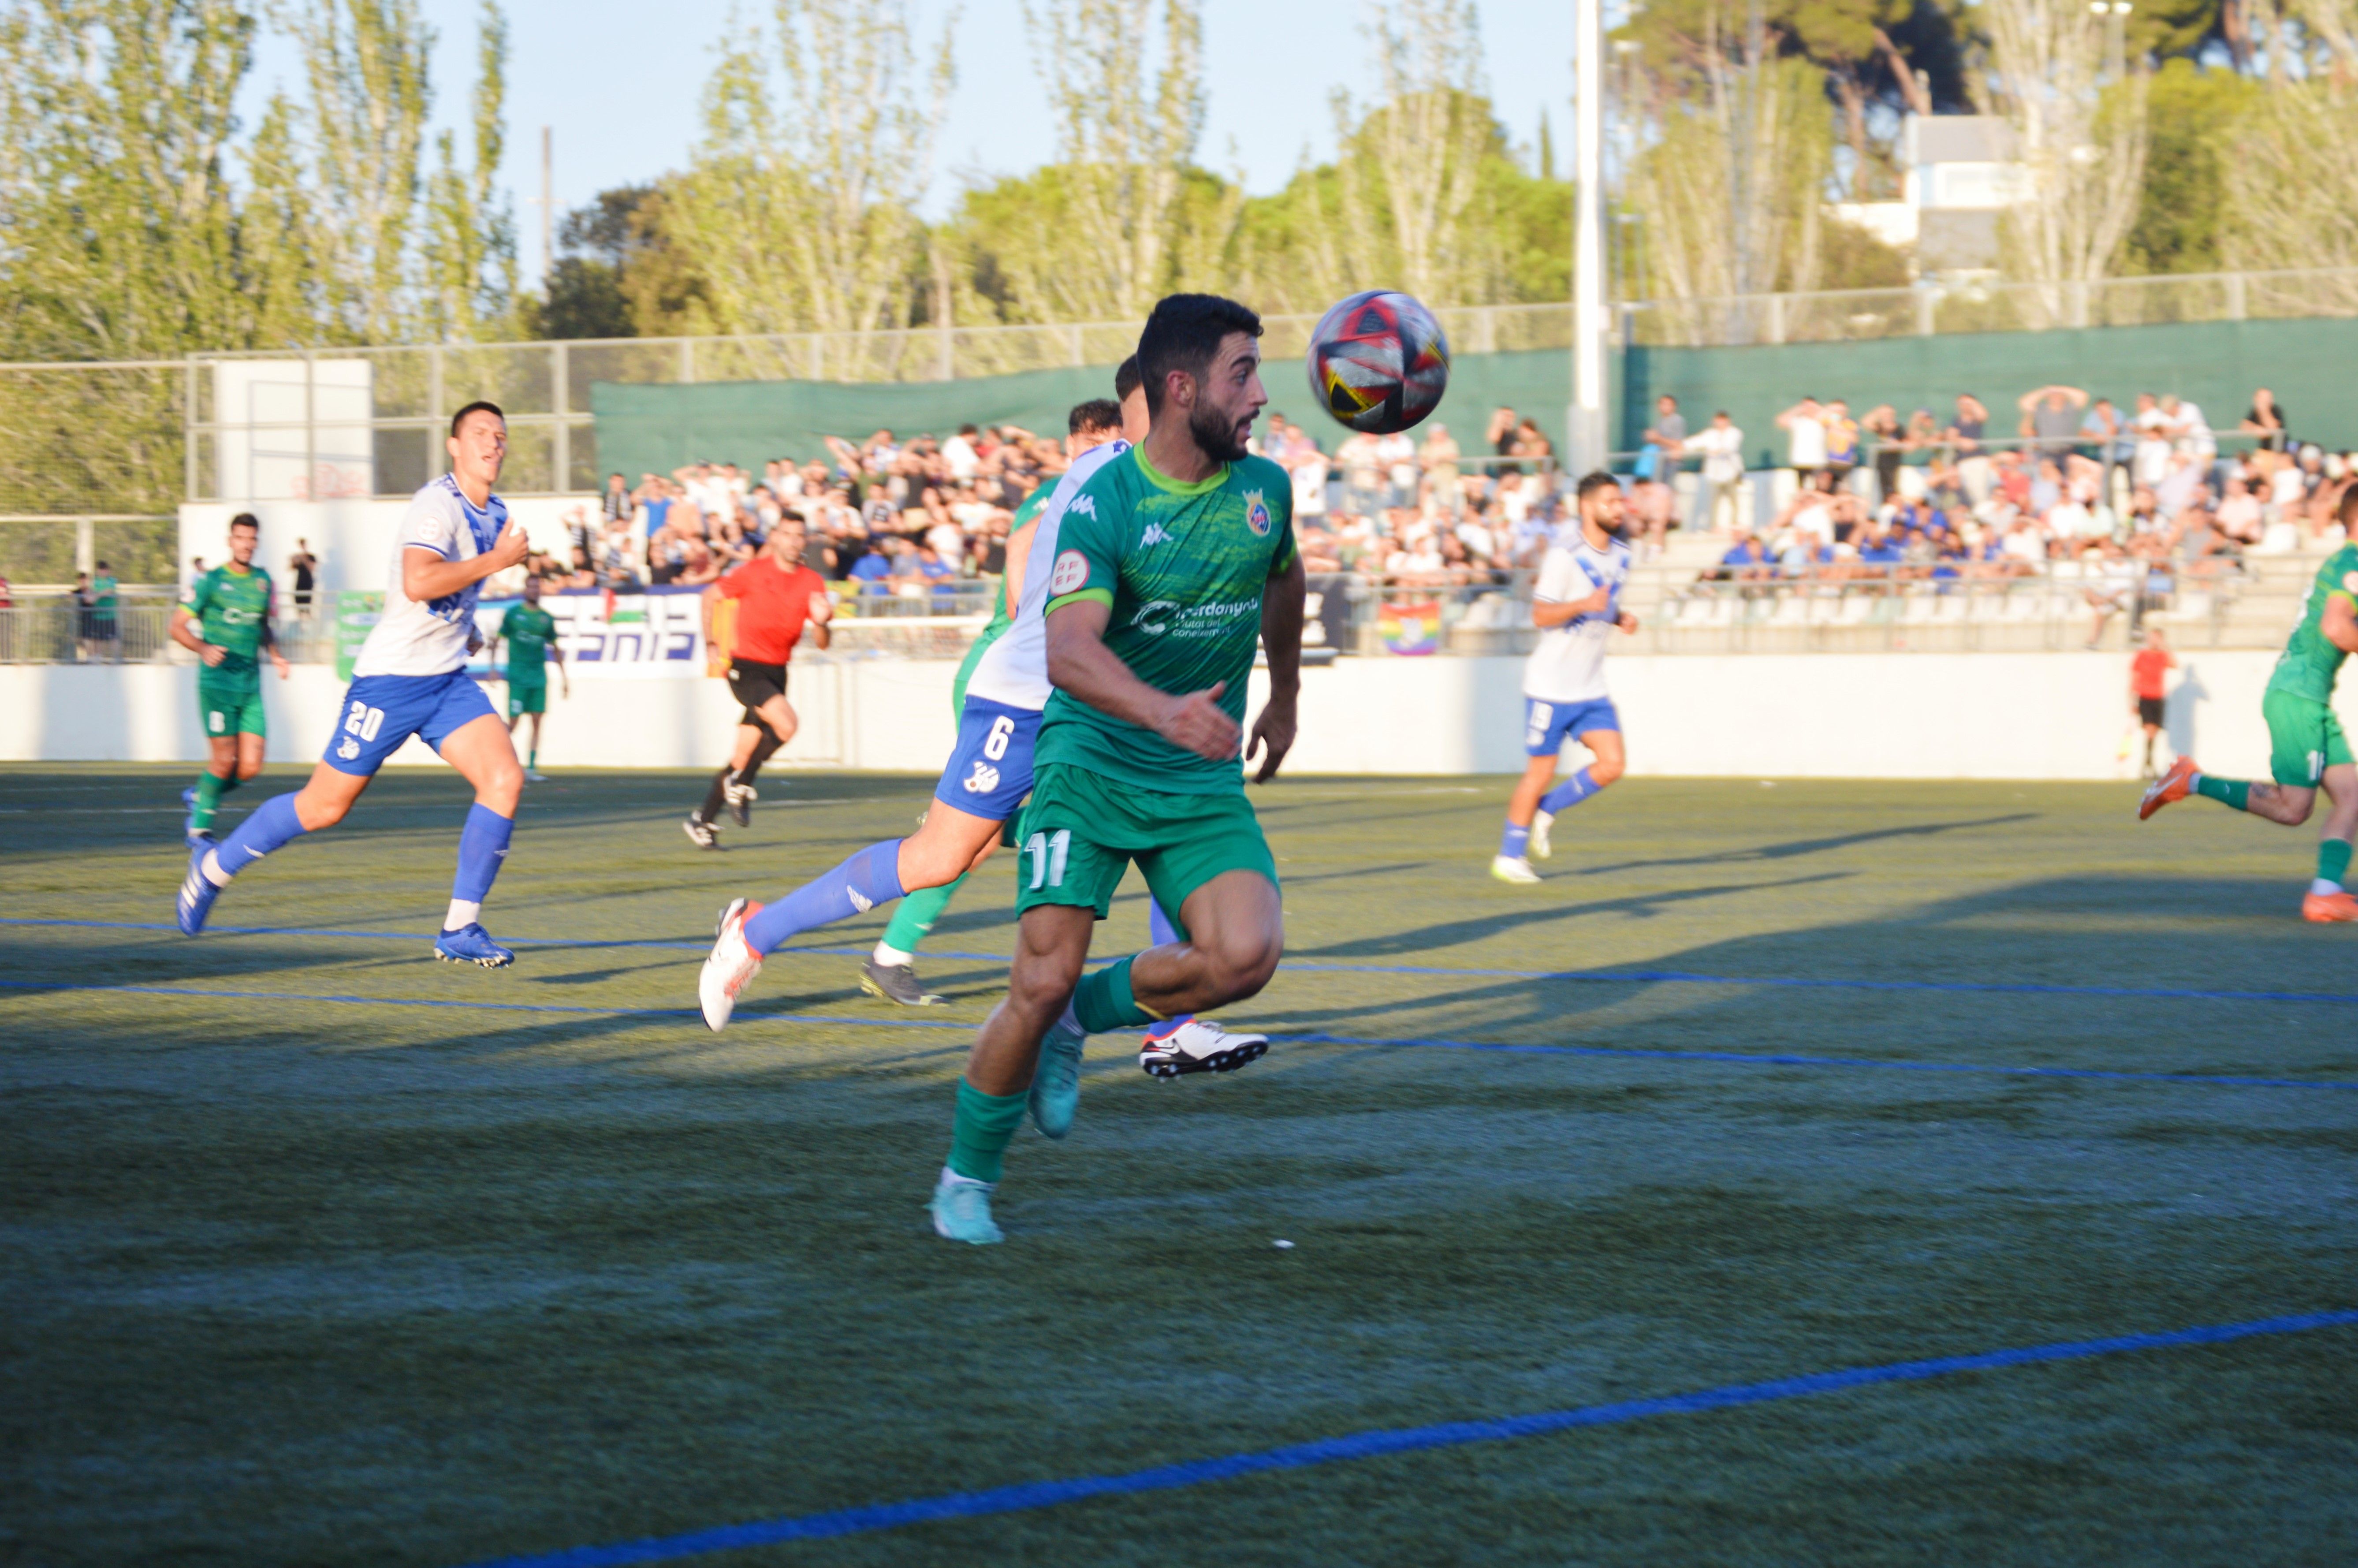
(1197, 1046)
(732, 967)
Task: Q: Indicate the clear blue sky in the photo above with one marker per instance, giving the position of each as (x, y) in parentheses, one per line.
(620, 84)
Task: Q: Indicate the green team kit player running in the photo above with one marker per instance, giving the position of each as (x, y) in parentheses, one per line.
(1171, 563)
(226, 624)
(2307, 749)
(530, 633)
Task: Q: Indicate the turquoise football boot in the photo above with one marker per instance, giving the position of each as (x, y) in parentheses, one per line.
(962, 1211)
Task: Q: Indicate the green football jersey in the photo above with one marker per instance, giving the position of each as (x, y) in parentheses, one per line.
(996, 627)
(529, 631)
(233, 609)
(2309, 662)
(1181, 568)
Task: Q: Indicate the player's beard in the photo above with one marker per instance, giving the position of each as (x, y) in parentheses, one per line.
(1221, 436)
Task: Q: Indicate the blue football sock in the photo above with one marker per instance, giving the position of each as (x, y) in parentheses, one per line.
(271, 824)
(1570, 793)
(871, 877)
(1512, 843)
(482, 847)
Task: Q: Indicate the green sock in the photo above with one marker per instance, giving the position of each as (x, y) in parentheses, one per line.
(980, 1133)
(2227, 792)
(1103, 1001)
(211, 788)
(915, 915)
(2332, 860)
(532, 759)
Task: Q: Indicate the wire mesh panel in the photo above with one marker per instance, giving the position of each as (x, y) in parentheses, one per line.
(92, 437)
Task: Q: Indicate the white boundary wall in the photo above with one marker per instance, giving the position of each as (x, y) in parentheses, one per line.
(1974, 716)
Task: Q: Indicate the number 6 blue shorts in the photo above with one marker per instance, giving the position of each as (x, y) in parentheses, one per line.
(381, 712)
(991, 772)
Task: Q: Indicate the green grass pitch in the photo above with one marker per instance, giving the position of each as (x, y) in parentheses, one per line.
(300, 1280)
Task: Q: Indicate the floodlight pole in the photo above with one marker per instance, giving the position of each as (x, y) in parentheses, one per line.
(1586, 429)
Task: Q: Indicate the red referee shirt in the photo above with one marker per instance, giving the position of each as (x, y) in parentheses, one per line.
(773, 603)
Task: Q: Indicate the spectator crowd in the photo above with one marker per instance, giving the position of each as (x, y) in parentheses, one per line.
(916, 519)
(2082, 480)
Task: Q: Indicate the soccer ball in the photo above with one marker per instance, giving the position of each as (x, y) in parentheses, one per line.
(1378, 362)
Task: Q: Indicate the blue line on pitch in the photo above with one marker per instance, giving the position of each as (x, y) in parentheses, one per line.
(1025, 1497)
(1594, 976)
(1616, 1053)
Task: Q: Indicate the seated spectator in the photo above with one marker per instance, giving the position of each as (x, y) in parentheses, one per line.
(2239, 514)
(1321, 551)
(933, 571)
(872, 571)
(1746, 561)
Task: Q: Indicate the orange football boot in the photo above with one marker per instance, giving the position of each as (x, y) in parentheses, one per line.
(2326, 907)
(2172, 786)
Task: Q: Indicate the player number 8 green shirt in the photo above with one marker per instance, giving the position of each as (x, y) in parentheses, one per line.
(2304, 737)
(231, 608)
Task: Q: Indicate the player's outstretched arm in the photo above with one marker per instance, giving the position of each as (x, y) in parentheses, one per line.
(1080, 663)
(1281, 605)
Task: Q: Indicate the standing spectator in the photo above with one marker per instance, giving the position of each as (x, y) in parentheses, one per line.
(1804, 425)
(2107, 434)
(1842, 440)
(1438, 458)
(1362, 462)
(2190, 430)
(1888, 445)
(2151, 464)
(103, 628)
(2266, 420)
(1308, 472)
(1665, 442)
(2051, 418)
(303, 566)
(1721, 446)
(616, 501)
(1397, 453)
(958, 454)
(1965, 434)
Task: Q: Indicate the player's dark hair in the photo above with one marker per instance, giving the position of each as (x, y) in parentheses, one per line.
(1126, 379)
(2346, 512)
(1594, 481)
(1184, 334)
(478, 406)
(245, 520)
(1097, 414)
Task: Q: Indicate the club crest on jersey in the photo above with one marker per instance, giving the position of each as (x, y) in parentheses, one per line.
(1072, 570)
(2350, 581)
(1257, 513)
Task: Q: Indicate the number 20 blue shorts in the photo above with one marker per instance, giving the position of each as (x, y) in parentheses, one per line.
(381, 712)
(991, 772)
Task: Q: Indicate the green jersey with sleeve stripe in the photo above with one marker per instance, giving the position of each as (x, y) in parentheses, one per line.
(233, 610)
(2310, 661)
(1181, 568)
(529, 629)
(1026, 514)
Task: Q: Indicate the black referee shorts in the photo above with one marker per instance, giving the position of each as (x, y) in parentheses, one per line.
(754, 684)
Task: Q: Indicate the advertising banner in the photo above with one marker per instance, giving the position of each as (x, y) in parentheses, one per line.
(356, 613)
(657, 634)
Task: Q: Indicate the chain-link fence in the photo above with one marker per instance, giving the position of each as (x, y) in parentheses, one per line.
(142, 437)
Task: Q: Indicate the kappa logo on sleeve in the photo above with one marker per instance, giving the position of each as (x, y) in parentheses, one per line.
(1087, 506)
(1072, 571)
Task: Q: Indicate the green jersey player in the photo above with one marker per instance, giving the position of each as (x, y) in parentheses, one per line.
(2307, 749)
(530, 633)
(1172, 560)
(226, 624)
